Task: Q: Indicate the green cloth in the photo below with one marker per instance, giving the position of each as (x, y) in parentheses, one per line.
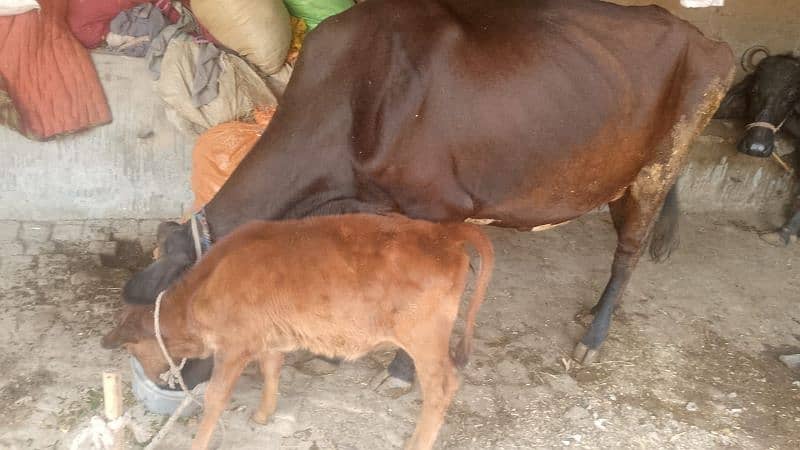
(315, 11)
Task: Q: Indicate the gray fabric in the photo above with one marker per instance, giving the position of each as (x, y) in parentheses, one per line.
(186, 23)
(143, 22)
(205, 86)
(128, 45)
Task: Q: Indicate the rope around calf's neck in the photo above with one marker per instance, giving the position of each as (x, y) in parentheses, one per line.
(174, 369)
(176, 372)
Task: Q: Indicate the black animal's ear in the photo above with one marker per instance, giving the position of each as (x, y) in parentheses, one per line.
(145, 286)
(177, 255)
(135, 325)
(164, 230)
(734, 105)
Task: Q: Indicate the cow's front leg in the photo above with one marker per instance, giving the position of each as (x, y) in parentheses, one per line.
(633, 216)
(398, 378)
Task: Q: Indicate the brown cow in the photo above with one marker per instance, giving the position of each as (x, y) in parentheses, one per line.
(524, 113)
(337, 286)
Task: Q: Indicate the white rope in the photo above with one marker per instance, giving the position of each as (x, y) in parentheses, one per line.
(171, 421)
(176, 372)
(198, 249)
(100, 433)
(169, 378)
(767, 125)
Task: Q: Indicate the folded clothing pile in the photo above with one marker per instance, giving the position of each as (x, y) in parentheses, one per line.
(131, 31)
(48, 76)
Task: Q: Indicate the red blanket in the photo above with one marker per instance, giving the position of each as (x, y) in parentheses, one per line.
(48, 74)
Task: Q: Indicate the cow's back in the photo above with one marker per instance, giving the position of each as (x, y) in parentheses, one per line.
(526, 111)
(447, 95)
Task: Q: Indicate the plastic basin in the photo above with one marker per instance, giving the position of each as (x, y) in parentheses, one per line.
(157, 400)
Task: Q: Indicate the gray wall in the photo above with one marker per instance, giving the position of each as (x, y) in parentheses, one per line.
(136, 167)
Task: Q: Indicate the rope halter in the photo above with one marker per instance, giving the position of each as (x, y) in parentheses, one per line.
(767, 125)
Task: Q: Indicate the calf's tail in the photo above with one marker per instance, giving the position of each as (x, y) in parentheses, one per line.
(474, 236)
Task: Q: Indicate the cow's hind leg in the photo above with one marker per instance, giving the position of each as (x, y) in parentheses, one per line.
(633, 215)
(635, 212)
(398, 378)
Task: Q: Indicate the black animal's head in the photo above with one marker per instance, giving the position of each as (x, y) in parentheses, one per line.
(176, 255)
(765, 98)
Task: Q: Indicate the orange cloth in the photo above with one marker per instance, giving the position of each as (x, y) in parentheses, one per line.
(219, 151)
(49, 75)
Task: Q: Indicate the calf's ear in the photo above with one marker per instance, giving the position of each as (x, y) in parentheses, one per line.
(136, 324)
(734, 105)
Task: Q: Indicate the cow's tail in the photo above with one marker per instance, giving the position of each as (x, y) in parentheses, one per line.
(474, 236)
(665, 238)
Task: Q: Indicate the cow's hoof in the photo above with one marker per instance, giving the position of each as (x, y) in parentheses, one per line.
(260, 419)
(776, 239)
(585, 355)
(389, 386)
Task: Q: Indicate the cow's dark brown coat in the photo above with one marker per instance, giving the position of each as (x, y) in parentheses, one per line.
(337, 286)
(521, 112)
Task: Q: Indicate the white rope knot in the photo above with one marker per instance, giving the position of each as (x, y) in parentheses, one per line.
(174, 370)
(170, 377)
(100, 434)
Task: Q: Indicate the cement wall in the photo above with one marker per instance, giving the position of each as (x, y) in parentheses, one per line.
(742, 23)
(717, 176)
(138, 166)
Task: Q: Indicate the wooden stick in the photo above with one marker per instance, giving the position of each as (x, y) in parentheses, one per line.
(112, 400)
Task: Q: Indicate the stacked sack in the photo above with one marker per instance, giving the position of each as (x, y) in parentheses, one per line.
(219, 151)
(258, 30)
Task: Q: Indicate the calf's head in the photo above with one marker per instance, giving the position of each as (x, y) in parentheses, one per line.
(135, 332)
(765, 98)
(176, 255)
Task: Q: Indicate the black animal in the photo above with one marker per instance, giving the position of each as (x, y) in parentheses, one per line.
(769, 99)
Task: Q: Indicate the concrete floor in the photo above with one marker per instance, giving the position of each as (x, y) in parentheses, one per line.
(691, 361)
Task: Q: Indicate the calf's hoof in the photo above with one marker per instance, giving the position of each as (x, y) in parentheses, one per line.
(388, 386)
(260, 419)
(585, 355)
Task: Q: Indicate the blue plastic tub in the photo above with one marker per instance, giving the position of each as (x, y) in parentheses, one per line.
(157, 400)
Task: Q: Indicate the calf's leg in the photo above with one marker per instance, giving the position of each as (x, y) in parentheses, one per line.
(270, 364)
(438, 382)
(227, 369)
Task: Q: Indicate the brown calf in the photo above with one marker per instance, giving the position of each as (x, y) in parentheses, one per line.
(337, 286)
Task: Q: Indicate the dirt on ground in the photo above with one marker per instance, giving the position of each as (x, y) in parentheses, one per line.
(691, 362)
